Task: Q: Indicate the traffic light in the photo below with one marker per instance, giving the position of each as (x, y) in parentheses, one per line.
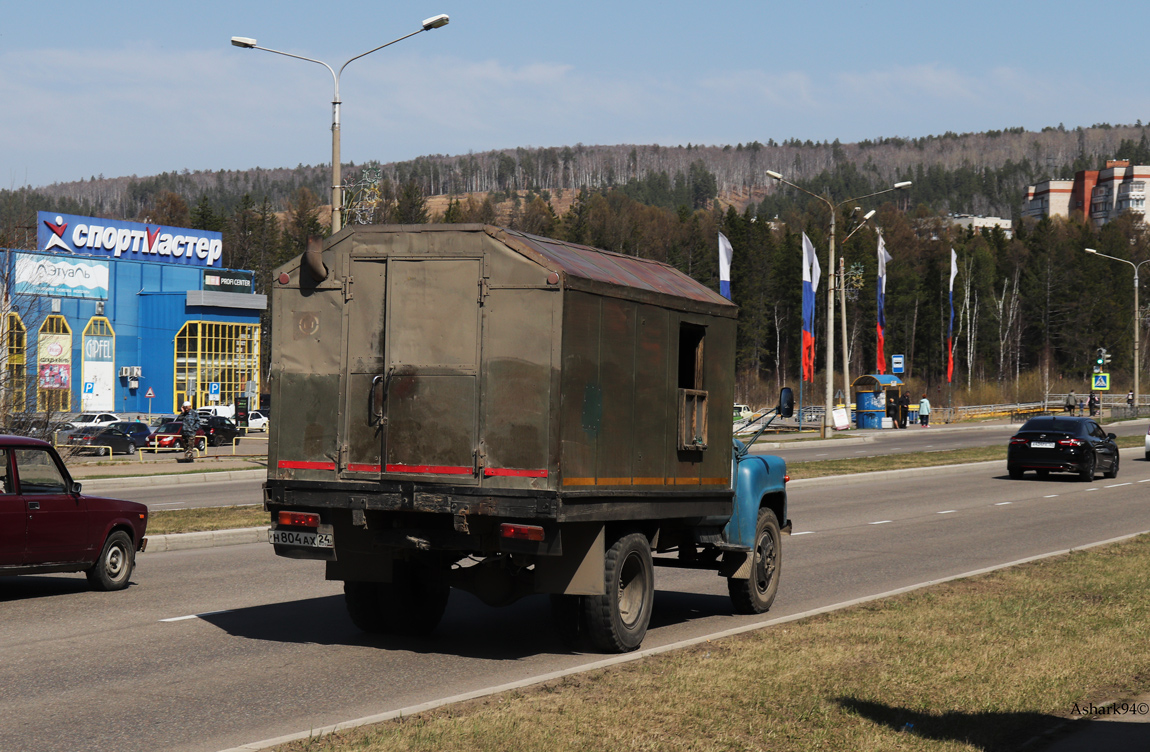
(1102, 360)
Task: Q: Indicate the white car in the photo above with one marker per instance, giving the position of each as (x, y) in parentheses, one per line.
(257, 421)
(84, 420)
(1148, 444)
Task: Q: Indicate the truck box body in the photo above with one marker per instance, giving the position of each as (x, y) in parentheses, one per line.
(464, 406)
(510, 363)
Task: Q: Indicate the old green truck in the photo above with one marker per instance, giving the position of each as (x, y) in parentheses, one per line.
(465, 406)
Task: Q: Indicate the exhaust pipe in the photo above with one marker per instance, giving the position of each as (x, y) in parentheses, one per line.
(313, 259)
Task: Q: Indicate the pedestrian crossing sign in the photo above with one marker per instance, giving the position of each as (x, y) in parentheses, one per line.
(1101, 382)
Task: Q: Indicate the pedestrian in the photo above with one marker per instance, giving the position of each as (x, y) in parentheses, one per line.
(189, 425)
(1094, 403)
(892, 409)
(924, 411)
(1130, 398)
(1071, 402)
(903, 409)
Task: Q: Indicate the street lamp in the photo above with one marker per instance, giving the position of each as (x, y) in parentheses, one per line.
(833, 207)
(336, 190)
(1137, 332)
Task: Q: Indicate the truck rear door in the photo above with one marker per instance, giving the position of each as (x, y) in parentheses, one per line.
(431, 403)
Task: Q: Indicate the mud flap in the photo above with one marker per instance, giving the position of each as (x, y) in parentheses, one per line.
(579, 571)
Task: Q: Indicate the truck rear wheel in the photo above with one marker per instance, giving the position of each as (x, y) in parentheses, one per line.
(412, 604)
(617, 620)
(755, 594)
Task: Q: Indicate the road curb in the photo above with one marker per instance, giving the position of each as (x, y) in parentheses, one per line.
(209, 539)
(140, 481)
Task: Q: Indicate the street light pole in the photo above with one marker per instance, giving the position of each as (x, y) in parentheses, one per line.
(833, 207)
(336, 180)
(1137, 314)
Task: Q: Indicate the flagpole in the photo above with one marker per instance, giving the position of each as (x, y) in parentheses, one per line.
(833, 207)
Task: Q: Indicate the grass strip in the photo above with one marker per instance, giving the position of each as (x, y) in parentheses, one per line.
(979, 664)
(200, 519)
(824, 468)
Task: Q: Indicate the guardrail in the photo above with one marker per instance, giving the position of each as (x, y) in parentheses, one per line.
(236, 441)
(77, 448)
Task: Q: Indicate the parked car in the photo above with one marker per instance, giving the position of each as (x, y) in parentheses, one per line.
(257, 421)
(48, 525)
(101, 439)
(1062, 445)
(167, 436)
(94, 419)
(219, 430)
(1148, 444)
(138, 430)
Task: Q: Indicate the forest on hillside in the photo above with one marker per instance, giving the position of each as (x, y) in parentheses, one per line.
(1029, 305)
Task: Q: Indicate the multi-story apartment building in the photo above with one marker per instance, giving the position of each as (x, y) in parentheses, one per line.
(1099, 195)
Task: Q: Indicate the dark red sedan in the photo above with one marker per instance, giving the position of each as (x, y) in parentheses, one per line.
(47, 525)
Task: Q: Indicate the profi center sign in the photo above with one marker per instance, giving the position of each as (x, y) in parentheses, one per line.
(89, 236)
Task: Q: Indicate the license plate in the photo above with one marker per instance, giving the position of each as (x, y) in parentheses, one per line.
(298, 538)
(1042, 445)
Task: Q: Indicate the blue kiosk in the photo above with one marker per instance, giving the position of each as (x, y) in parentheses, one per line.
(873, 394)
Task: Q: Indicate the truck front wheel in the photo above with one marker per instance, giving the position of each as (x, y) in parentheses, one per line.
(617, 620)
(755, 594)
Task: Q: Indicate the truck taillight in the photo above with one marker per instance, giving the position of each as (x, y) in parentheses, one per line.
(786, 479)
(521, 532)
(299, 519)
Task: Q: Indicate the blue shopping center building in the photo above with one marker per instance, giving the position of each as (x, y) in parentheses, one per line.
(126, 317)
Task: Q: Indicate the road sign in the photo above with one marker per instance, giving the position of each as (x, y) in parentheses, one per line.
(896, 363)
(214, 391)
(150, 393)
(1100, 382)
(89, 387)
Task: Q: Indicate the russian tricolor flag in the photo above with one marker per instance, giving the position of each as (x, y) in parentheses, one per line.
(950, 329)
(880, 289)
(811, 273)
(726, 253)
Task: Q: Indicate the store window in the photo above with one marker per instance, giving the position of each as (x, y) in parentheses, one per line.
(212, 353)
(98, 366)
(54, 366)
(17, 382)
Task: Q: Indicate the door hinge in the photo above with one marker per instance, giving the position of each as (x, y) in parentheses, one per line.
(347, 281)
(480, 459)
(484, 289)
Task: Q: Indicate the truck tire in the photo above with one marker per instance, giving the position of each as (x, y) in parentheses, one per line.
(755, 594)
(617, 620)
(113, 569)
(366, 605)
(412, 604)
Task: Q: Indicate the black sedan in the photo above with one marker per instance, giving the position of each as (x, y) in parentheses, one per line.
(1062, 445)
(101, 439)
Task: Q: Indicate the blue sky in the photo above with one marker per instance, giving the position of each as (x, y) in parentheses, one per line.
(122, 88)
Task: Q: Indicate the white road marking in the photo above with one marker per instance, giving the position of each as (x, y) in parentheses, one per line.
(1051, 496)
(824, 454)
(1003, 503)
(1145, 480)
(949, 511)
(805, 532)
(1117, 485)
(880, 522)
(1092, 489)
(196, 616)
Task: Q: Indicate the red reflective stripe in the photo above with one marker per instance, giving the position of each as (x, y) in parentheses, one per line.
(430, 469)
(356, 468)
(512, 473)
(292, 465)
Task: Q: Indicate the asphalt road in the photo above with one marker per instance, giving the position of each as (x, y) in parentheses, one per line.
(159, 497)
(214, 648)
(911, 439)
